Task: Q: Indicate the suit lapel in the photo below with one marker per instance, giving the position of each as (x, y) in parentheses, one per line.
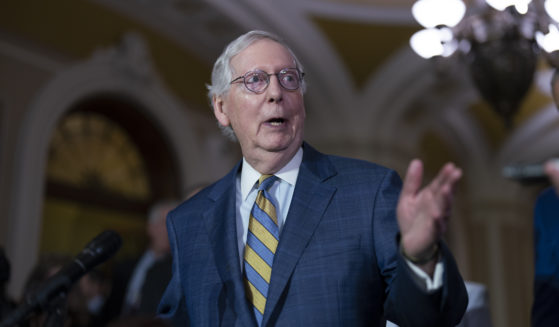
(222, 230)
(310, 200)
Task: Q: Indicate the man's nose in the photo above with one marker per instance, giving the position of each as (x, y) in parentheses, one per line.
(275, 90)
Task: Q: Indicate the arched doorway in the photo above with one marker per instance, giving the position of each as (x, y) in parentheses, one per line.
(107, 72)
(107, 164)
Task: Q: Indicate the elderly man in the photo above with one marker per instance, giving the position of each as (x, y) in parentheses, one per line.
(294, 237)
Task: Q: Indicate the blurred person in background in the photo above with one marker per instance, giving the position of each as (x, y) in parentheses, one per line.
(138, 284)
(546, 246)
(94, 287)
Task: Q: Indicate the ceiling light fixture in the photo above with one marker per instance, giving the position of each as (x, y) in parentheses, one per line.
(500, 41)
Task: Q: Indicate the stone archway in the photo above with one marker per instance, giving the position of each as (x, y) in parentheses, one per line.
(124, 70)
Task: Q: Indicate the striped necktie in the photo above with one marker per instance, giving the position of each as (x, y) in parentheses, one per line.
(262, 241)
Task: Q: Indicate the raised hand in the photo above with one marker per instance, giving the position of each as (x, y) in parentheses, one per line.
(423, 212)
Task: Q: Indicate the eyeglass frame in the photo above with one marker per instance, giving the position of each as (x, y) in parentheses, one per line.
(300, 76)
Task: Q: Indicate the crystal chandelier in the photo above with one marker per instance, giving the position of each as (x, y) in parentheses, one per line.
(500, 41)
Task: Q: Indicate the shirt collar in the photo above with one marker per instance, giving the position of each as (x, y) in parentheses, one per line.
(289, 173)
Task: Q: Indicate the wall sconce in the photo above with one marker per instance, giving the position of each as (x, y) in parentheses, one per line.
(500, 41)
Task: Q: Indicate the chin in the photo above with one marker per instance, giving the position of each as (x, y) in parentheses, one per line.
(276, 148)
(280, 144)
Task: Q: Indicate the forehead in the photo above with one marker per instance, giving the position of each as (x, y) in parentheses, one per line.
(263, 54)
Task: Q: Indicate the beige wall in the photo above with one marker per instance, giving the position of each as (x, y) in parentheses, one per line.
(20, 81)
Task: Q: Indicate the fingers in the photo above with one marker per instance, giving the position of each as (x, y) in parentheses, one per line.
(442, 190)
(445, 180)
(552, 170)
(413, 179)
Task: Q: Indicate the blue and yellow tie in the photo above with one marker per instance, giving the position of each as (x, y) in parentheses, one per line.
(262, 241)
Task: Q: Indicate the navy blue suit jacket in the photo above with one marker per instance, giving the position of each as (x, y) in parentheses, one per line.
(337, 262)
(546, 282)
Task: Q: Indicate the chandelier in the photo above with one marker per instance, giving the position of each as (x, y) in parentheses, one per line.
(500, 41)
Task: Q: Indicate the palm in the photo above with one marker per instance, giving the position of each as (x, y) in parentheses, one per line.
(422, 213)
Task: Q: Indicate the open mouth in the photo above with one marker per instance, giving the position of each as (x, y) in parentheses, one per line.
(276, 121)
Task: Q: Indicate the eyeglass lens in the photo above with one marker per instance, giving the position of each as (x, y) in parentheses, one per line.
(257, 81)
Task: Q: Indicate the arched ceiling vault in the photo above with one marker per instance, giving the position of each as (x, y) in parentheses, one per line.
(360, 69)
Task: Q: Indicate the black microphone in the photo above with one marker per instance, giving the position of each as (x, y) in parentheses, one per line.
(98, 250)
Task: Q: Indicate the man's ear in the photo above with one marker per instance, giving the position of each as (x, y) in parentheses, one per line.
(220, 110)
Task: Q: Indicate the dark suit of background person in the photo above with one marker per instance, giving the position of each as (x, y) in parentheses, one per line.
(337, 261)
(545, 309)
(138, 284)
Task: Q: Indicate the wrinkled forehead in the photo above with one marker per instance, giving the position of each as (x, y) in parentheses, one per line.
(265, 54)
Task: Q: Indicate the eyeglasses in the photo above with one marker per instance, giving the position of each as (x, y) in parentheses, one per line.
(257, 80)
